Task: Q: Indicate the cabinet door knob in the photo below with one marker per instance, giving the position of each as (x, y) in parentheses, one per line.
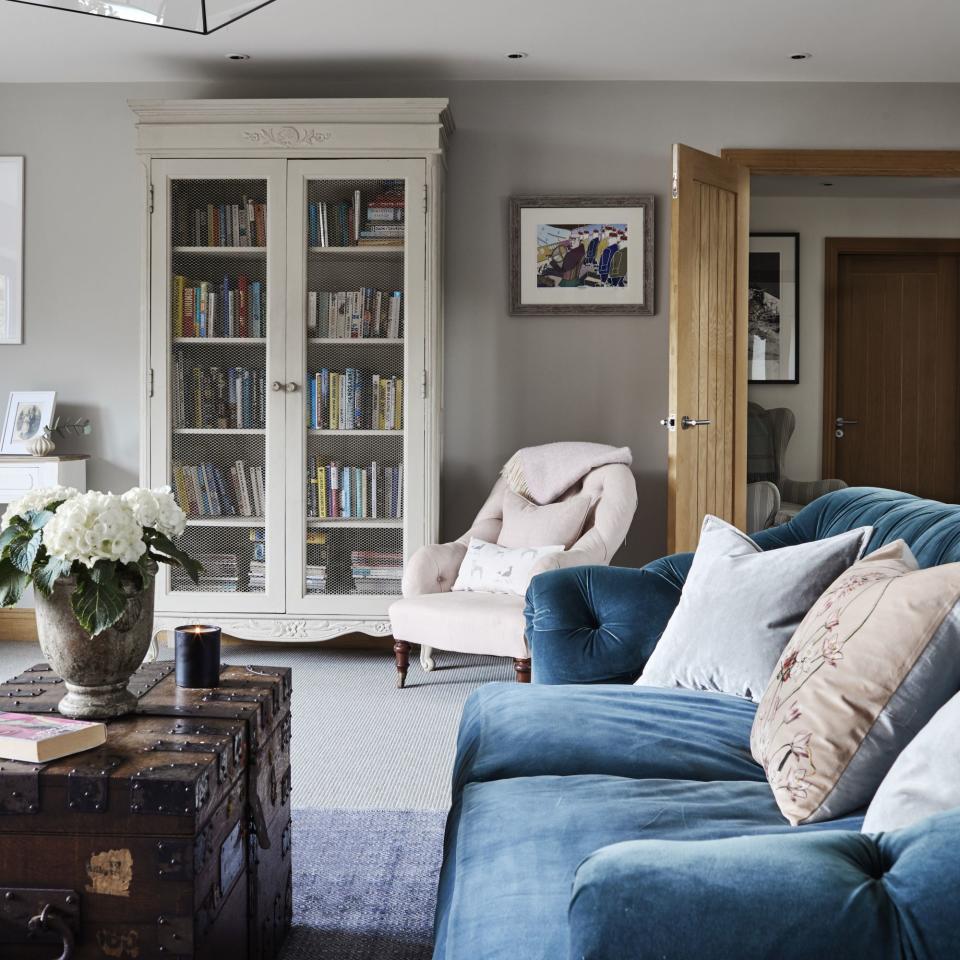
(292, 387)
(276, 386)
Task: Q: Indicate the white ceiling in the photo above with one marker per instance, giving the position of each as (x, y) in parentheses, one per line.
(857, 40)
(914, 188)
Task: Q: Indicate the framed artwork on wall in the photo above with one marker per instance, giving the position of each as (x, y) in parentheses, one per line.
(11, 250)
(581, 255)
(773, 344)
(29, 413)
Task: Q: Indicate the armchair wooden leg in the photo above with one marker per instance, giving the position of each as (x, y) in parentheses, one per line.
(522, 668)
(401, 650)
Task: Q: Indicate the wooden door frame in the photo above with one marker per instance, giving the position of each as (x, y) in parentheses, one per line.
(834, 249)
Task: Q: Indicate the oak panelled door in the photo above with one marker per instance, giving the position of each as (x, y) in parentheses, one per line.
(891, 394)
(707, 420)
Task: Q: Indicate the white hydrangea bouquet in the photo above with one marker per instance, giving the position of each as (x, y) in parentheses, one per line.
(110, 544)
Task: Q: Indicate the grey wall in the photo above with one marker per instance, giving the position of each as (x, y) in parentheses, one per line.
(509, 381)
(815, 219)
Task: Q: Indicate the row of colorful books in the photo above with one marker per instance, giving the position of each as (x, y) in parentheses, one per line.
(335, 491)
(354, 400)
(376, 571)
(231, 224)
(212, 490)
(234, 307)
(218, 397)
(343, 224)
(355, 314)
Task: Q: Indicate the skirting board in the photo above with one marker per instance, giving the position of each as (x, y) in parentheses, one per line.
(19, 624)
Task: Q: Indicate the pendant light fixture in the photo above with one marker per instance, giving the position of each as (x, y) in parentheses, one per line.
(194, 16)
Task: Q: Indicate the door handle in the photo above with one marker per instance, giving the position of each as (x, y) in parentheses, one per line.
(276, 386)
(292, 387)
(688, 422)
(843, 422)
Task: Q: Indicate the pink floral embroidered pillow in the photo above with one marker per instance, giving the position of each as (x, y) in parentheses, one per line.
(876, 656)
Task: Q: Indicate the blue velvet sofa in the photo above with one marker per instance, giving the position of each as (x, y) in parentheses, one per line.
(594, 820)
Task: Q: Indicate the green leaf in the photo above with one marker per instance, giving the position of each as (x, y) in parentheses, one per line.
(23, 551)
(166, 551)
(12, 583)
(8, 535)
(38, 519)
(98, 604)
(47, 574)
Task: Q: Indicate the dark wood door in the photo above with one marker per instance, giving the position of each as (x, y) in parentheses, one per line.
(896, 371)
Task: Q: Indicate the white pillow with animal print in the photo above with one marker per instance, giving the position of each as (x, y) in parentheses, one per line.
(490, 568)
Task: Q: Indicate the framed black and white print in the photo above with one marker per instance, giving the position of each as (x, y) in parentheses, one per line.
(586, 255)
(773, 308)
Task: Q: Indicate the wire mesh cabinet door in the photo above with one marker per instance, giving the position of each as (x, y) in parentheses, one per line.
(356, 382)
(217, 359)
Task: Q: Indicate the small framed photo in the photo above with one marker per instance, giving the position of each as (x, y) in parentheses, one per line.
(582, 255)
(28, 414)
(773, 343)
(11, 250)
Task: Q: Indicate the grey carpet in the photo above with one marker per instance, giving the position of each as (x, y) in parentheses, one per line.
(358, 742)
(365, 884)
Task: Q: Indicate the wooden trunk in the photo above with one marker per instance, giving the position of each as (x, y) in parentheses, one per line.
(172, 840)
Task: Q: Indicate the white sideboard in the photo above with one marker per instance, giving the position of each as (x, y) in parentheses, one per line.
(20, 475)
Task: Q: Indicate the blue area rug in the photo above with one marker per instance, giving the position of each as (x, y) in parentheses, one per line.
(364, 884)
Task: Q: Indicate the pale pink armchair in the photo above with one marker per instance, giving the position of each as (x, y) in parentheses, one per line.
(492, 624)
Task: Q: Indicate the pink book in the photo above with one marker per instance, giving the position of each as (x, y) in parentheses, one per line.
(38, 738)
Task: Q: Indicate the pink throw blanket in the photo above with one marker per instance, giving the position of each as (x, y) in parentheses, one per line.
(543, 473)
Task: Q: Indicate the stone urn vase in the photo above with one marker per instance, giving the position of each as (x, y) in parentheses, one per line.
(95, 670)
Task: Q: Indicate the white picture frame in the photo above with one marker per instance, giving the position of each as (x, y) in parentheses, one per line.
(28, 413)
(11, 250)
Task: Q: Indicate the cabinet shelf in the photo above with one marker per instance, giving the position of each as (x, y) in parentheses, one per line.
(220, 431)
(327, 523)
(354, 433)
(369, 250)
(221, 251)
(225, 521)
(220, 341)
(359, 341)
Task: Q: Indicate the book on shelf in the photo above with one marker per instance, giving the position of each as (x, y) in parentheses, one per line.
(232, 307)
(211, 490)
(356, 222)
(40, 738)
(376, 571)
(221, 398)
(220, 574)
(354, 399)
(231, 224)
(355, 314)
(336, 491)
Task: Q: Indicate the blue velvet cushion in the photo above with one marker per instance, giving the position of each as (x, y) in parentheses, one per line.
(512, 730)
(600, 624)
(798, 897)
(516, 845)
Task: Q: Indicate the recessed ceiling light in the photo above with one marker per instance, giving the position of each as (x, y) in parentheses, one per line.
(800, 56)
(238, 56)
(517, 56)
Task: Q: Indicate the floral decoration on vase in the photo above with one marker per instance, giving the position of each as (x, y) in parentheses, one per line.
(92, 559)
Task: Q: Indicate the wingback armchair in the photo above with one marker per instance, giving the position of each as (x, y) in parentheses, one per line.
(433, 616)
(768, 435)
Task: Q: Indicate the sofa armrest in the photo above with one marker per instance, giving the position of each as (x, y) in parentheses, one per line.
(598, 624)
(806, 491)
(798, 896)
(433, 568)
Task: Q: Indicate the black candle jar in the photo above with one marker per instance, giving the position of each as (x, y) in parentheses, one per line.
(197, 656)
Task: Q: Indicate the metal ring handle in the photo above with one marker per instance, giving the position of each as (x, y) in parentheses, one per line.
(47, 919)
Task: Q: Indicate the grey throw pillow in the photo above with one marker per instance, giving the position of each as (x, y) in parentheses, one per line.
(741, 605)
(924, 779)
